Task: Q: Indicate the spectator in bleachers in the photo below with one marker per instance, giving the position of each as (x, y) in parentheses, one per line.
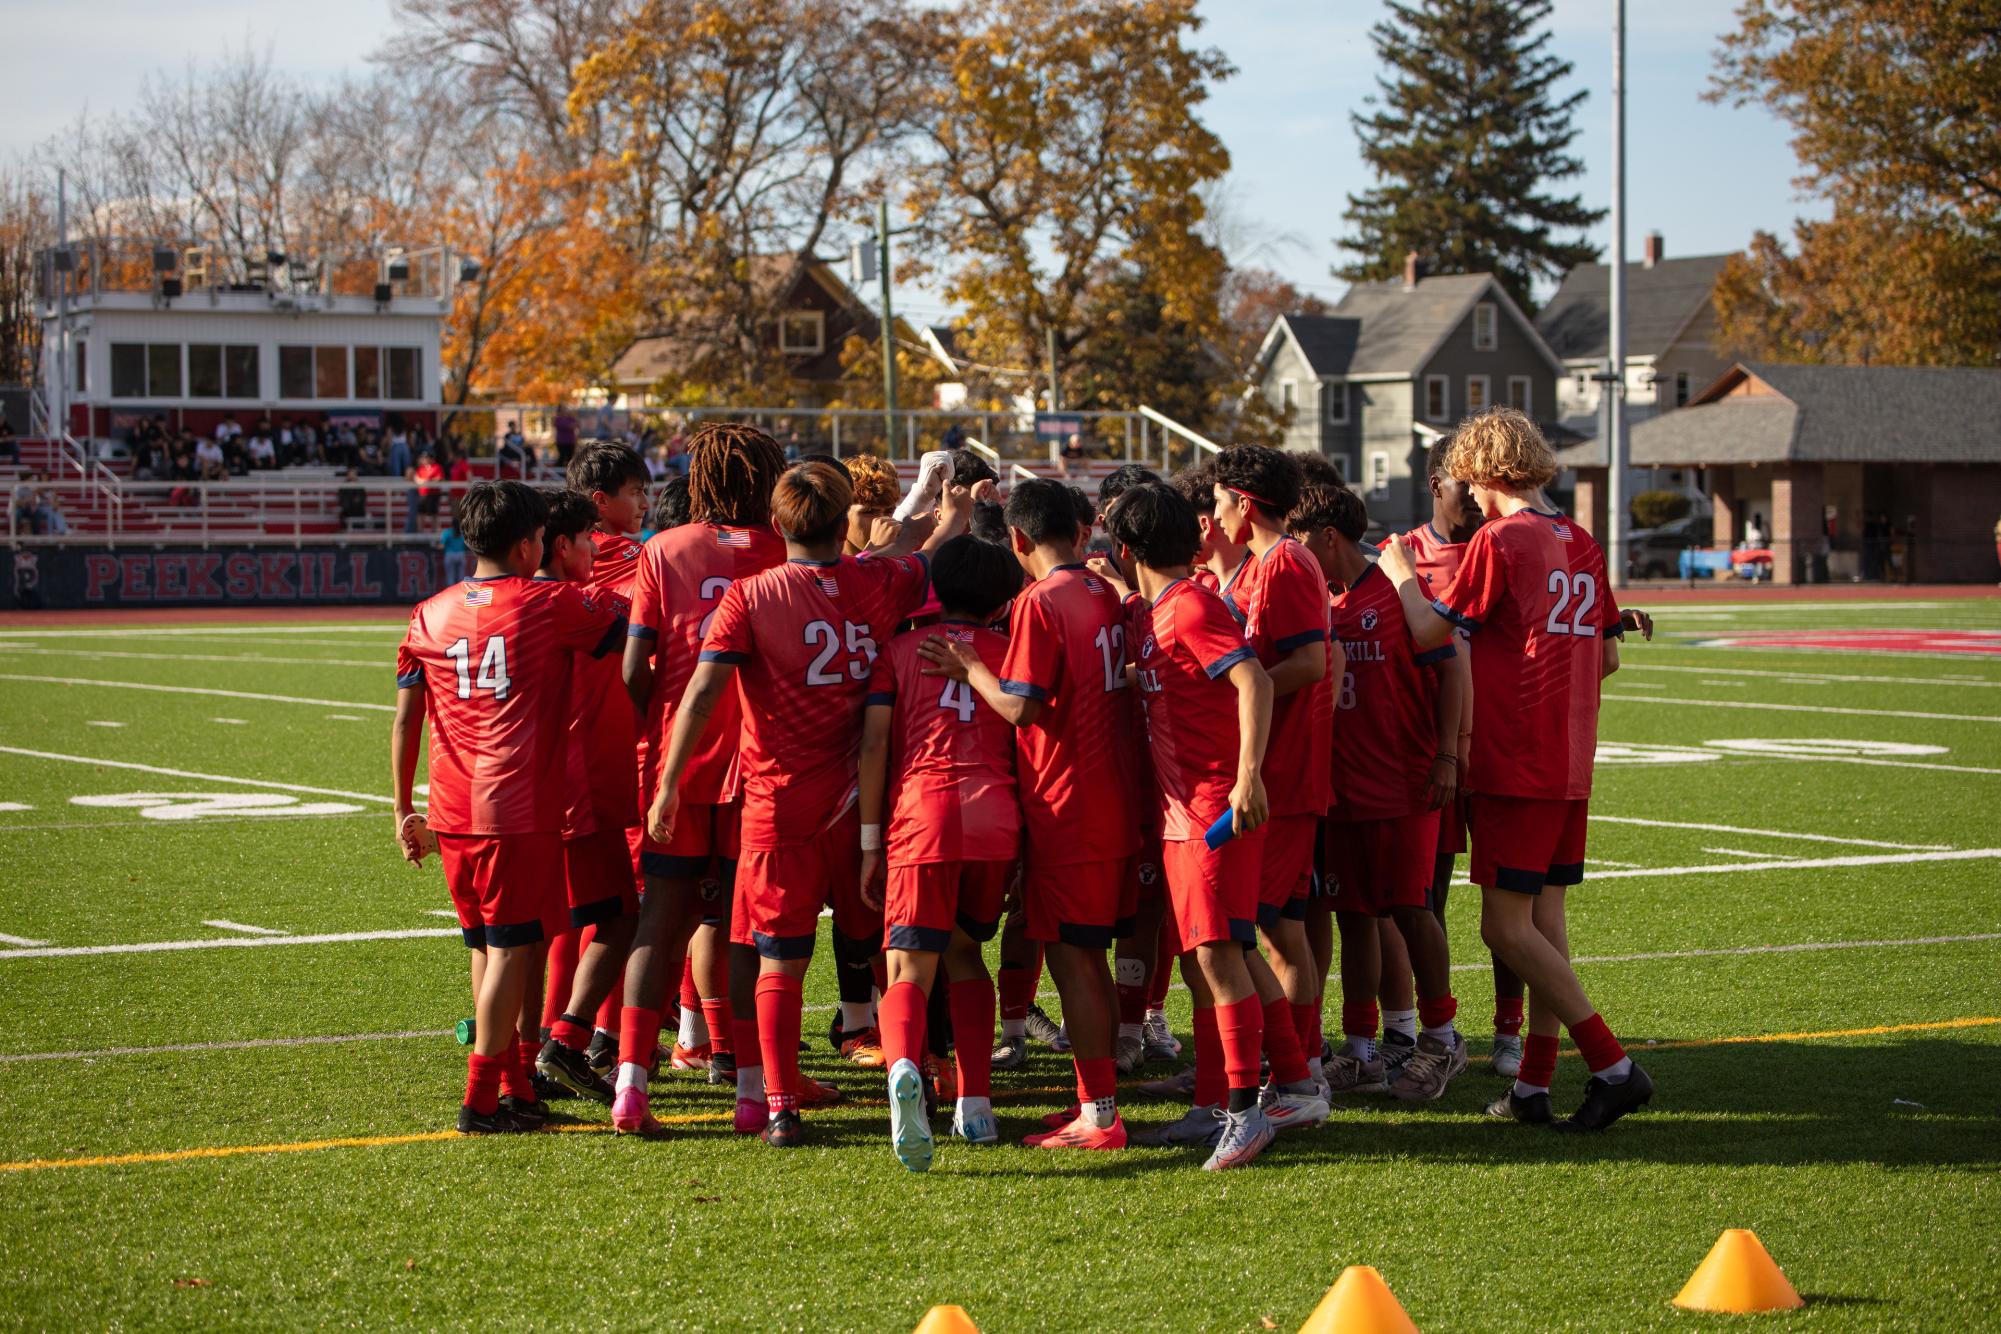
(514, 456)
(426, 498)
(9, 446)
(310, 446)
(352, 498)
(368, 456)
(461, 467)
(25, 503)
(566, 436)
(228, 430)
(263, 454)
(49, 519)
(454, 546)
(209, 460)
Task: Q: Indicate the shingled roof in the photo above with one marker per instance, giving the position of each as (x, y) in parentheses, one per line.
(1831, 414)
(1660, 302)
(1387, 329)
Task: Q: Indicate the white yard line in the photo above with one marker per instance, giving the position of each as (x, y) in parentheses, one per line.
(1887, 764)
(154, 825)
(374, 664)
(191, 773)
(228, 942)
(1753, 856)
(1793, 708)
(1790, 677)
(224, 924)
(11, 806)
(6, 939)
(94, 722)
(1791, 864)
(195, 690)
(1771, 833)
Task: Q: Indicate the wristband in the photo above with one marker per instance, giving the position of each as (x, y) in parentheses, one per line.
(871, 838)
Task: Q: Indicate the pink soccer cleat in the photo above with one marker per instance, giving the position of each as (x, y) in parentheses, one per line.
(751, 1114)
(629, 1114)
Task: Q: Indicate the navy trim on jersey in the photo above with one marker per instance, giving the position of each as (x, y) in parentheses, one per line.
(514, 933)
(1369, 569)
(1616, 630)
(1229, 660)
(783, 947)
(1437, 536)
(1518, 881)
(474, 937)
(1084, 937)
(932, 939)
(1024, 690)
(1074, 565)
(978, 930)
(598, 913)
(404, 680)
(1244, 932)
(1300, 640)
(727, 656)
(666, 865)
(614, 636)
(1466, 623)
(1165, 591)
(1565, 873)
(879, 697)
(489, 578)
(1439, 654)
(641, 631)
(816, 564)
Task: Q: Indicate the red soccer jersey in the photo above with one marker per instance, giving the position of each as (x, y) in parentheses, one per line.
(616, 562)
(493, 657)
(951, 758)
(1283, 595)
(1188, 642)
(1066, 647)
(1388, 699)
(1437, 560)
(1532, 587)
(680, 579)
(803, 636)
(604, 791)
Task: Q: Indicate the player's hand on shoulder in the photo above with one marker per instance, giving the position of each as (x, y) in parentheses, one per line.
(1396, 560)
(948, 657)
(1102, 566)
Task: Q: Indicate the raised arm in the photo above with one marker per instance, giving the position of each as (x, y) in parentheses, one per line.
(1427, 628)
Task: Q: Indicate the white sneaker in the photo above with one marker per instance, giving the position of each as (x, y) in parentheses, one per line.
(1507, 1057)
(909, 1128)
(1197, 1128)
(973, 1121)
(1294, 1106)
(1245, 1136)
(1161, 1044)
(1130, 1055)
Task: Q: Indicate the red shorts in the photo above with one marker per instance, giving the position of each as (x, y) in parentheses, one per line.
(597, 872)
(1378, 865)
(1212, 895)
(508, 888)
(1524, 843)
(783, 889)
(1452, 827)
(1143, 884)
(1076, 903)
(700, 833)
(1287, 873)
(924, 902)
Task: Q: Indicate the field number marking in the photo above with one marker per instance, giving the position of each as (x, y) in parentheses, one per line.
(203, 805)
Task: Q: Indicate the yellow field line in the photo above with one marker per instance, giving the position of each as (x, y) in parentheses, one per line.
(691, 1118)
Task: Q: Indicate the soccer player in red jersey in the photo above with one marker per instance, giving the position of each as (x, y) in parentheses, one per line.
(942, 764)
(1208, 715)
(1282, 602)
(799, 642)
(1062, 685)
(1397, 738)
(488, 662)
(1532, 589)
(677, 586)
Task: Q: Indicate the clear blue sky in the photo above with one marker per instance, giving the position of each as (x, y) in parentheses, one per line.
(1302, 68)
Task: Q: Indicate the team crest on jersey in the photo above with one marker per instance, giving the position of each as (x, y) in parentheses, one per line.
(1369, 619)
(732, 537)
(1146, 648)
(479, 595)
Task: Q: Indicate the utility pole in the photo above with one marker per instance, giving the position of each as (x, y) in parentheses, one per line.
(59, 379)
(1615, 435)
(1049, 351)
(888, 334)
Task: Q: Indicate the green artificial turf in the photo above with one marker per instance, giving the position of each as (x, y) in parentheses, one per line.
(1866, 1161)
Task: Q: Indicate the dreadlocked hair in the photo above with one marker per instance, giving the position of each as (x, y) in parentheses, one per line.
(732, 467)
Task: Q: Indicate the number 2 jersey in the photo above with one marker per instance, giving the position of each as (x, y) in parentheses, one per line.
(803, 637)
(603, 794)
(680, 581)
(951, 758)
(493, 657)
(1532, 590)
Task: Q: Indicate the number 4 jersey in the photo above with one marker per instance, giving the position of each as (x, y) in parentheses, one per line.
(1532, 591)
(493, 657)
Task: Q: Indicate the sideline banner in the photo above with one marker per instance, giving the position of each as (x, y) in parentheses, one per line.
(61, 578)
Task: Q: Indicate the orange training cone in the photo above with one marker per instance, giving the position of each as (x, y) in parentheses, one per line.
(1359, 1303)
(1737, 1276)
(946, 1320)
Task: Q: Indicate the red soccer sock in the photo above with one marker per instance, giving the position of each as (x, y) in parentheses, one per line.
(571, 1034)
(514, 1072)
(1358, 1020)
(743, 1035)
(778, 1003)
(1132, 1004)
(1017, 991)
(1240, 1032)
(1508, 1016)
(1306, 1022)
(972, 1004)
(638, 1035)
(1097, 1078)
(483, 1082)
(1538, 1060)
(1596, 1044)
(717, 1015)
(563, 952)
(1437, 1011)
(1281, 1043)
(691, 996)
(900, 1017)
(1211, 1085)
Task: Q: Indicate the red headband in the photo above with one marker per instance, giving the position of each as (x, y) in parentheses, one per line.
(1248, 496)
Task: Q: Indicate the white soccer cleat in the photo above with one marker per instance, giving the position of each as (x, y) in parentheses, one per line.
(909, 1128)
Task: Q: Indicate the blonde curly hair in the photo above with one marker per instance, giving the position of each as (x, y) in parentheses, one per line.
(874, 480)
(1501, 446)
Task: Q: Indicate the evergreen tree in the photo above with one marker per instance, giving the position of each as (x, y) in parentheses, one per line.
(1464, 138)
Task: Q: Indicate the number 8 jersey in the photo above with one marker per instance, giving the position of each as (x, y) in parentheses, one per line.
(804, 637)
(1532, 590)
(493, 659)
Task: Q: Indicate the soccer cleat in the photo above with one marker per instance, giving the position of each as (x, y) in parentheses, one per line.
(1161, 1044)
(812, 1093)
(941, 1081)
(572, 1069)
(975, 1125)
(691, 1058)
(1058, 1120)
(1352, 1074)
(533, 1114)
(1294, 1106)
(1197, 1128)
(1530, 1111)
(1507, 1058)
(1044, 1030)
(722, 1067)
(1010, 1054)
(836, 1035)
(631, 1115)
(1605, 1102)
(499, 1121)
(1433, 1066)
(783, 1131)
(1081, 1134)
(751, 1114)
(864, 1048)
(1062, 1043)
(1245, 1135)
(1394, 1050)
(602, 1054)
(1180, 1084)
(909, 1126)
(1130, 1054)
(547, 1088)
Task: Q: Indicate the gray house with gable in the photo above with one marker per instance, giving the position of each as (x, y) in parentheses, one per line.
(1395, 365)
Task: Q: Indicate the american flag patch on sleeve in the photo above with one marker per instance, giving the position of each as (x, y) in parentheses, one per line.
(828, 586)
(732, 537)
(479, 595)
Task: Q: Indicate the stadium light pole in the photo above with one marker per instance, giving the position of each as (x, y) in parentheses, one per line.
(888, 334)
(1615, 417)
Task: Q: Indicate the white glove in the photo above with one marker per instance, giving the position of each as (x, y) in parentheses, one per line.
(932, 471)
